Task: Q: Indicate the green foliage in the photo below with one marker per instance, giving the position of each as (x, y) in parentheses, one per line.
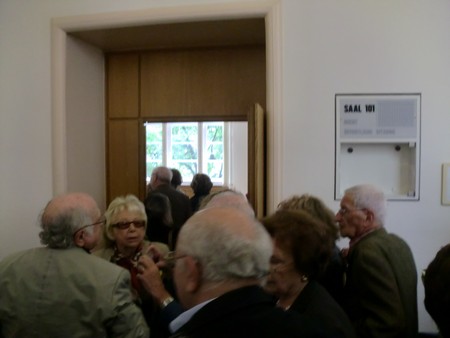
(184, 148)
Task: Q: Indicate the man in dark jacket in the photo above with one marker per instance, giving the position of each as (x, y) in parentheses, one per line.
(380, 294)
(179, 202)
(221, 259)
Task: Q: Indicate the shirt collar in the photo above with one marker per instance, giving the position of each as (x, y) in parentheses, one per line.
(184, 317)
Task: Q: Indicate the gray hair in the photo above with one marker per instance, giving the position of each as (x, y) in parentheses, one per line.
(224, 252)
(366, 196)
(163, 174)
(58, 230)
(119, 204)
(228, 198)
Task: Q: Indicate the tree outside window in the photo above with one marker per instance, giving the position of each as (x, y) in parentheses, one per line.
(190, 147)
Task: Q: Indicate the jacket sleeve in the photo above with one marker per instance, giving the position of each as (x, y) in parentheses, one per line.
(128, 321)
(382, 311)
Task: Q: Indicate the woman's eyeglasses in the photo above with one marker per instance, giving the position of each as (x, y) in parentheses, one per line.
(126, 225)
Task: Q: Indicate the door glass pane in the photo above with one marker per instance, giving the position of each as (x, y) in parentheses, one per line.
(153, 147)
(214, 151)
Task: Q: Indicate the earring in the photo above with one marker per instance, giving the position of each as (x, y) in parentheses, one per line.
(304, 278)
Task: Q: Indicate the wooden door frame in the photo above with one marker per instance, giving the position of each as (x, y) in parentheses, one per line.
(270, 10)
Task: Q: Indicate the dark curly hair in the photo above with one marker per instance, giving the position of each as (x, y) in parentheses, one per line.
(177, 179)
(201, 184)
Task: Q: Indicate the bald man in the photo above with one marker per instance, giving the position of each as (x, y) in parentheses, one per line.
(221, 259)
(60, 290)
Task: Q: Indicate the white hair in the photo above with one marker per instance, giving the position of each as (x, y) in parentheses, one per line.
(163, 174)
(228, 199)
(119, 204)
(366, 196)
(227, 252)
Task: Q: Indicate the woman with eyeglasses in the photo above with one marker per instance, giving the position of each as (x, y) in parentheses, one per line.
(124, 242)
(332, 278)
(301, 248)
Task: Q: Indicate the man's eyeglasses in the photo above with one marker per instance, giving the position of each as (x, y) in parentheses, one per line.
(100, 222)
(343, 211)
(171, 257)
(126, 225)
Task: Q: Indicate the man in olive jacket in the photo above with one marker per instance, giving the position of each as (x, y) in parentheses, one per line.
(380, 294)
(61, 290)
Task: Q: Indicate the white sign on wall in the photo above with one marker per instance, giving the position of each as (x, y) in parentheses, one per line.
(377, 116)
(378, 142)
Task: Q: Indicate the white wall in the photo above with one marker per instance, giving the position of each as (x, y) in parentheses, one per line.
(238, 156)
(368, 47)
(328, 47)
(85, 120)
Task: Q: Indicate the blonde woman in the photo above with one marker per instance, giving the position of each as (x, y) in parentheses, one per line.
(124, 243)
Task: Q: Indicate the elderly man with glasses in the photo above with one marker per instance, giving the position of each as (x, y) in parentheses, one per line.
(60, 290)
(380, 294)
(220, 262)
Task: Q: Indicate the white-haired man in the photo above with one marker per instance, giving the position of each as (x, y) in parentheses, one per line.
(221, 260)
(380, 294)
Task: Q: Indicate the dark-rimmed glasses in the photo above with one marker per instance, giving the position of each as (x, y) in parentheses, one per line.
(126, 225)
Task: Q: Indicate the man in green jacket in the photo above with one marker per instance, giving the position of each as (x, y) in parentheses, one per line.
(380, 294)
(60, 290)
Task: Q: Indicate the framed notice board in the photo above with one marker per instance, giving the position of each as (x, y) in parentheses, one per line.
(378, 142)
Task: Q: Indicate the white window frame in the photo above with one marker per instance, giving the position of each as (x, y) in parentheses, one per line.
(201, 160)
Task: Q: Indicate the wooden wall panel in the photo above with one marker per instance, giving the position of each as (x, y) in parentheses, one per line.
(163, 83)
(123, 158)
(202, 82)
(122, 85)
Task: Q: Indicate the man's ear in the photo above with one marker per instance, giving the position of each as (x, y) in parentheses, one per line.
(78, 238)
(194, 274)
(370, 217)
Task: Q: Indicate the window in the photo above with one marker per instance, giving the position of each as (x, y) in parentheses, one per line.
(190, 147)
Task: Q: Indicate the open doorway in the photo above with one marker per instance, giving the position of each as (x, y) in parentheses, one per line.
(66, 138)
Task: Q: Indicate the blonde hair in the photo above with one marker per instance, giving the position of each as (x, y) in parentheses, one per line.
(119, 204)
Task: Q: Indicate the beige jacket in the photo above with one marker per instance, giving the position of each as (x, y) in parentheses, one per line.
(66, 293)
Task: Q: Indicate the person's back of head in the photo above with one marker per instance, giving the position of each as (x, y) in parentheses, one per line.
(366, 196)
(315, 207)
(160, 175)
(66, 215)
(201, 184)
(436, 282)
(177, 179)
(227, 198)
(229, 244)
(158, 208)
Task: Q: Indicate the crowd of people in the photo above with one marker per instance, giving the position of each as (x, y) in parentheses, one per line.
(205, 266)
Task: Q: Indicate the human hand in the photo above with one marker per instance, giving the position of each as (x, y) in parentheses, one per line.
(150, 277)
